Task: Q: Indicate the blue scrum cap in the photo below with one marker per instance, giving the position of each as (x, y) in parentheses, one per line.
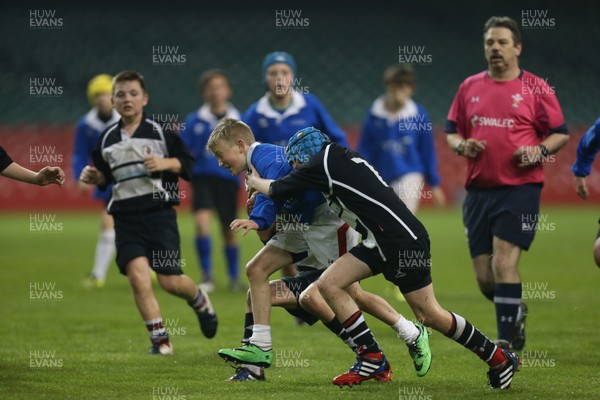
(304, 144)
(278, 57)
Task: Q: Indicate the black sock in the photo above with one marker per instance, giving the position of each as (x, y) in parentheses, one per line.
(336, 327)
(466, 334)
(360, 334)
(507, 299)
(248, 323)
(198, 302)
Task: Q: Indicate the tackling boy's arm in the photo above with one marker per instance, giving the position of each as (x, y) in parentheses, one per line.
(309, 176)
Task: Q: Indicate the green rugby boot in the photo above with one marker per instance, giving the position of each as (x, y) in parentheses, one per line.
(420, 352)
(248, 354)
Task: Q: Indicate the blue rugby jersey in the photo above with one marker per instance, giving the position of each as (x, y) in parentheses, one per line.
(272, 126)
(588, 147)
(401, 144)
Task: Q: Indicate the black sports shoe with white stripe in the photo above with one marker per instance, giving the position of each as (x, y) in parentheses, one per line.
(518, 341)
(500, 377)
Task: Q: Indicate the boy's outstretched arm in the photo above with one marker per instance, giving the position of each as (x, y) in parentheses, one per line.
(43, 177)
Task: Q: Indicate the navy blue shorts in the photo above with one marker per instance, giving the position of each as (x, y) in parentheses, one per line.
(151, 234)
(410, 270)
(298, 284)
(509, 213)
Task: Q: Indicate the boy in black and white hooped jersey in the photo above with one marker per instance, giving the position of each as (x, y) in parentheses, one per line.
(394, 243)
(144, 163)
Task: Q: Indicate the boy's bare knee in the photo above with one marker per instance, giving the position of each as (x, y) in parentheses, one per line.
(307, 299)
(251, 268)
(255, 271)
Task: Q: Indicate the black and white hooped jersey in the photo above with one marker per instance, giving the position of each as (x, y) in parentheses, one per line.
(358, 194)
(5, 159)
(120, 158)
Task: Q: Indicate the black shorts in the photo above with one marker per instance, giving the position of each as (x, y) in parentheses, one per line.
(410, 270)
(509, 213)
(215, 193)
(298, 284)
(151, 234)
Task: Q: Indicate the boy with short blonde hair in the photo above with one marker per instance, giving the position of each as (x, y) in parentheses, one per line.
(311, 236)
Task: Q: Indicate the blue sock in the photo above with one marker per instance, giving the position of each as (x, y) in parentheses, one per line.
(232, 255)
(507, 298)
(203, 248)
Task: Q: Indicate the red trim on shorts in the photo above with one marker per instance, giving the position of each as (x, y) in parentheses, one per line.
(342, 241)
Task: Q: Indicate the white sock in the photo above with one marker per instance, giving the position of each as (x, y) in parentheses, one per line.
(261, 337)
(406, 330)
(105, 249)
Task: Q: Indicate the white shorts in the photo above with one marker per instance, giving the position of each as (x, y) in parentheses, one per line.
(324, 240)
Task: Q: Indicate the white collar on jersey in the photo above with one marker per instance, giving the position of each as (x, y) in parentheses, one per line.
(91, 118)
(264, 107)
(378, 110)
(205, 114)
(249, 153)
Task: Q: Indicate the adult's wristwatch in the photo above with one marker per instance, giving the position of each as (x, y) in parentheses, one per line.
(458, 148)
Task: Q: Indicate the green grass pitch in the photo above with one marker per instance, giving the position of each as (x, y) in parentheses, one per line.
(75, 343)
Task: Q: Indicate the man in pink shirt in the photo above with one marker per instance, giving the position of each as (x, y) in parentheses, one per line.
(506, 122)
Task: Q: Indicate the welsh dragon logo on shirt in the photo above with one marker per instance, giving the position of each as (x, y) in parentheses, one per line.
(516, 100)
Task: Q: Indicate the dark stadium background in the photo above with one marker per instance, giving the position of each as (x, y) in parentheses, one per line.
(341, 54)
